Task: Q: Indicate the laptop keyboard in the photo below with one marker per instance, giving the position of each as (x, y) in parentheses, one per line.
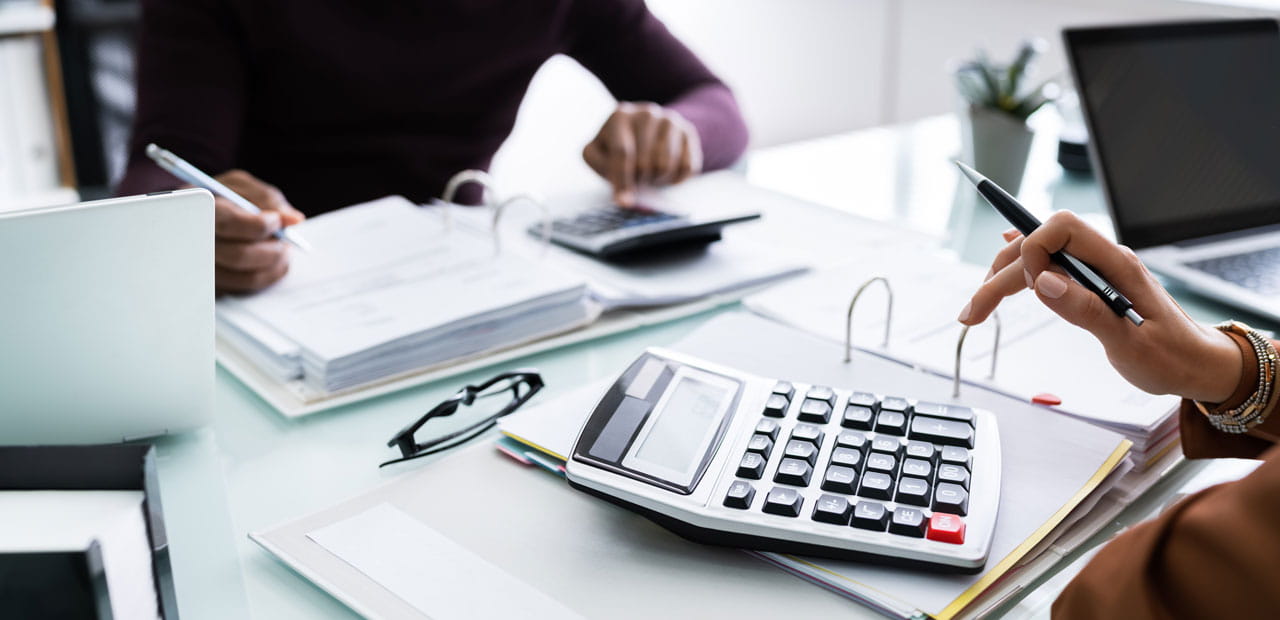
(1257, 271)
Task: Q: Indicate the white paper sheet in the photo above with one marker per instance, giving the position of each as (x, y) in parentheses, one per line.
(432, 573)
(1039, 352)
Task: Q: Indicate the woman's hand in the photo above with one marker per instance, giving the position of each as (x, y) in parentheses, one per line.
(1168, 354)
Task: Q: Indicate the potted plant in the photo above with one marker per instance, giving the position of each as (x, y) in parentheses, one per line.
(1000, 99)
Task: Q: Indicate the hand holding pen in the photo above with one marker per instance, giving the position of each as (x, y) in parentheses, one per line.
(250, 225)
(1168, 354)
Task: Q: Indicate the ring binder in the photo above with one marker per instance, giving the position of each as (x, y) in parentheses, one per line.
(489, 197)
(848, 324)
(995, 352)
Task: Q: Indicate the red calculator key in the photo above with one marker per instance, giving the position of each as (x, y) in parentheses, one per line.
(946, 528)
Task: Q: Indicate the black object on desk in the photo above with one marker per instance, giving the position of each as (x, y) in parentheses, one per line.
(124, 467)
(621, 233)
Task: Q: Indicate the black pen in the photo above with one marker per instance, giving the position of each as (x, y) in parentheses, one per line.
(1026, 223)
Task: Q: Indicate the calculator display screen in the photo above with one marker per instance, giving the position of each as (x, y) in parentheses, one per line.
(676, 440)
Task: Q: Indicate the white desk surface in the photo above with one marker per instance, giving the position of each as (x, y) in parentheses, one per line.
(253, 469)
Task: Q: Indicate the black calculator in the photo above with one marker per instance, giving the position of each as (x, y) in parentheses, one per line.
(616, 232)
(725, 457)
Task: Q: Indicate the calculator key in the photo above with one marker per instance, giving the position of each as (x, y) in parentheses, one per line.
(760, 443)
(783, 501)
(803, 450)
(956, 456)
(913, 491)
(915, 449)
(785, 389)
(863, 399)
(907, 522)
(852, 439)
(887, 445)
(740, 495)
(846, 457)
(751, 466)
(951, 498)
(954, 474)
(767, 427)
(840, 480)
(793, 471)
(917, 468)
(877, 461)
(951, 412)
(832, 509)
(822, 393)
(813, 410)
(891, 422)
(859, 417)
(946, 528)
(808, 432)
(893, 403)
(870, 516)
(939, 430)
(876, 485)
(776, 406)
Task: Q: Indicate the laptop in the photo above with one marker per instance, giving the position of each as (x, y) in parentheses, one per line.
(1184, 125)
(106, 319)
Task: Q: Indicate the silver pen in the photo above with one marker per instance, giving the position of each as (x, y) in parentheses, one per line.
(183, 169)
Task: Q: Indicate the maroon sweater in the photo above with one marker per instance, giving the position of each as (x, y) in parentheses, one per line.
(342, 101)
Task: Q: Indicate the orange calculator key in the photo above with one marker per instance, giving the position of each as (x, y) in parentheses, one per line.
(946, 528)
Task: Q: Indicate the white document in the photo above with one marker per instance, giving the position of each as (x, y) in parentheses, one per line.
(1039, 352)
(36, 521)
(430, 572)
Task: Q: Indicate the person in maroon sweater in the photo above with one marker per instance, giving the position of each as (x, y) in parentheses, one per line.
(326, 103)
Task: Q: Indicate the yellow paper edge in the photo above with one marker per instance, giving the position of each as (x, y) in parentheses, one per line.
(535, 446)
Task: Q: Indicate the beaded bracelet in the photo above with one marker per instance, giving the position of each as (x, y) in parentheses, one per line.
(1253, 411)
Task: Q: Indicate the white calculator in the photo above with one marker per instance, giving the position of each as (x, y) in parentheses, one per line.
(725, 457)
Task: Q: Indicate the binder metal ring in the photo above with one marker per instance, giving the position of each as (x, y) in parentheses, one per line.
(488, 191)
(848, 322)
(545, 228)
(995, 352)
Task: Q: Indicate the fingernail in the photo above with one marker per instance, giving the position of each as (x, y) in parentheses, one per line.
(1031, 283)
(964, 312)
(272, 219)
(1051, 285)
(627, 198)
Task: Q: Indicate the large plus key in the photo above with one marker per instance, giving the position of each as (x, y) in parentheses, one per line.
(938, 430)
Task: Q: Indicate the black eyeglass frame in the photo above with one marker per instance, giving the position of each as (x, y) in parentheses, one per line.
(411, 449)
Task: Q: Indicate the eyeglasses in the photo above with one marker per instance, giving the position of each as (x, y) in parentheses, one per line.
(522, 385)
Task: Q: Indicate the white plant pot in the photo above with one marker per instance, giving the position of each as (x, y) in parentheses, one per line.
(996, 144)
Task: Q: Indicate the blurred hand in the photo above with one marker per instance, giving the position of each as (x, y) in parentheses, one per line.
(1168, 354)
(644, 144)
(246, 257)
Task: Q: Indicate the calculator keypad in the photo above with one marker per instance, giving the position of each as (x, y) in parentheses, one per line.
(895, 466)
(608, 219)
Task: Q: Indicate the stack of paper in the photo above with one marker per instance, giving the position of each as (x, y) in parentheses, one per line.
(1039, 354)
(388, 289)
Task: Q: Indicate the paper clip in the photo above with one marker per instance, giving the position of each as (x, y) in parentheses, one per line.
(499, 209)
(995, 351)
(848, 322)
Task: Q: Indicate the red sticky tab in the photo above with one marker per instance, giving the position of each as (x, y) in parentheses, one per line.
(946, 528)
(1046, 399)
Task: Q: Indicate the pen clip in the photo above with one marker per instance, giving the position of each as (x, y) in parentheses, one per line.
(848, 322)
(995, 352)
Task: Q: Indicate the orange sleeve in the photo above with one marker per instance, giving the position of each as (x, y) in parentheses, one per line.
(1216, 554)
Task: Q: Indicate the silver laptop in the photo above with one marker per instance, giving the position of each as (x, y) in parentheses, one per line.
(1184, 124)
(106, 319)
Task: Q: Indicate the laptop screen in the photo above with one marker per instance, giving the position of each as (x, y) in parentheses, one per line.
(1185, 124)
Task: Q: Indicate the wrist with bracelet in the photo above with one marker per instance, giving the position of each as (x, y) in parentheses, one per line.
(1256, 407)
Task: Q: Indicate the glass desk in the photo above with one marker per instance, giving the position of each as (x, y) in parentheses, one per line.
(253, 469)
